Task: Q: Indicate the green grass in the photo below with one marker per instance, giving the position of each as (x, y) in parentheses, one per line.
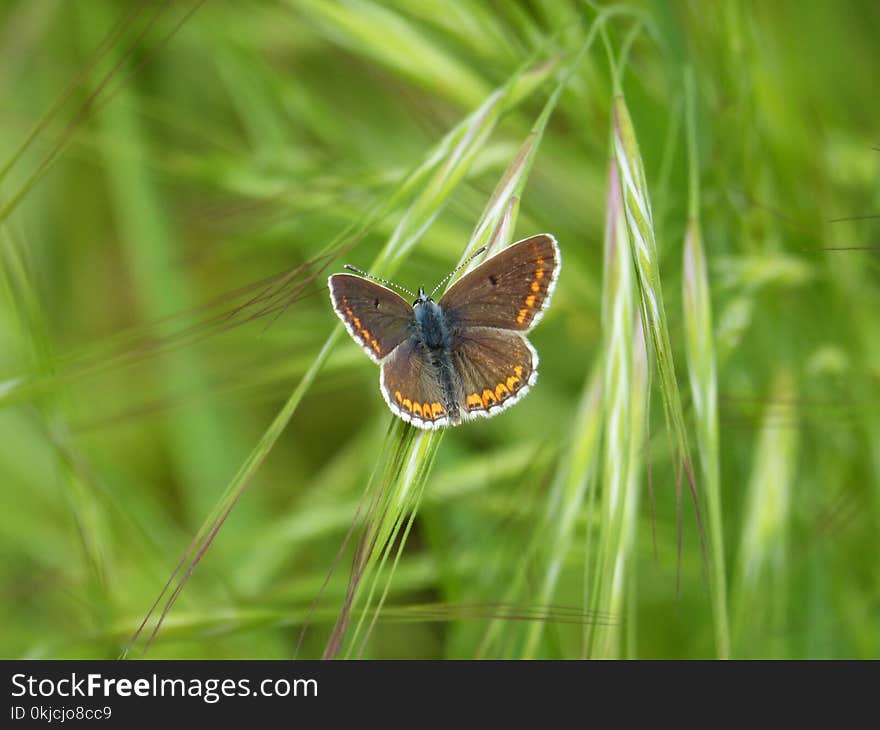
(695, 473)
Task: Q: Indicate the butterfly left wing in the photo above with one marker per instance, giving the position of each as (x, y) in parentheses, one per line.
(510, 291)
(376, 317)
(412, 389)
(495, 367)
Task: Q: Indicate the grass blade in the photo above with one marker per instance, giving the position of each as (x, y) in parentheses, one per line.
(762, 562)
(699, 341)
(643, 248)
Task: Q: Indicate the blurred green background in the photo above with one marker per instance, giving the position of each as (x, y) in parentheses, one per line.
(178, 179)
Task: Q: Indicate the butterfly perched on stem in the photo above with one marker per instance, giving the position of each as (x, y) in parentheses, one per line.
(465, 355)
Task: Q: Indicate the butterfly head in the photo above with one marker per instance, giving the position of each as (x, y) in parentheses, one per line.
(423, 298)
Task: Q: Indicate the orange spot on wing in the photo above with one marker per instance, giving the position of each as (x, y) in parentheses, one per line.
(521, 317)
(365, 334)
(530, 300)
(357, 322)
(536, 287)
(376, 346)
(398, 397)
(501, 391)
(518, 370)
(489, 398)
(539, 273)
(473, 401)
(436, 410)
(407, 403)
(417, 409)
(512, 382)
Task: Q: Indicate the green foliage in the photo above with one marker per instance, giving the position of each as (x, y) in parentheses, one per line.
(180, 408)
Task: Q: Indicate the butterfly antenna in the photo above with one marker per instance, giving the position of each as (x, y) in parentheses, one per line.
(459, 268)
(379, 279)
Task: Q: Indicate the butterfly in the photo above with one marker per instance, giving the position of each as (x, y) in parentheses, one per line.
(464, 356)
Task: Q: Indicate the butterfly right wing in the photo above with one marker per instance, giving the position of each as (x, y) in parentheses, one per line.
(376, 317)
(496, 368)
(510, 290)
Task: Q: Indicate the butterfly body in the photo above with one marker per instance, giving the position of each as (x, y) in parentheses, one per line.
(434, 335)
(464, 356)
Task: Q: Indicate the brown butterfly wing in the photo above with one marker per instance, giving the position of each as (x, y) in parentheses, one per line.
(412, 389)
(495, 367)
(510, 290)
(376, 317)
